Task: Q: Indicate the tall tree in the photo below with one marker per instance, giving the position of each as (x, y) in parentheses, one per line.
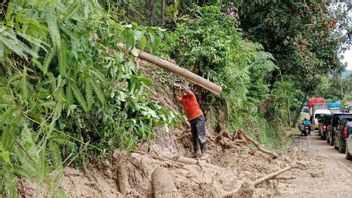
(297, 34)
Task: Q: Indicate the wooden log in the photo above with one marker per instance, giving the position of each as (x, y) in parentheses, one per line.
(270, 176)
(246, 190)
(194, 78)
(163, 184)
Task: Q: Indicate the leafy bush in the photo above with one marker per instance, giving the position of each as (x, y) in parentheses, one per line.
(67, 91)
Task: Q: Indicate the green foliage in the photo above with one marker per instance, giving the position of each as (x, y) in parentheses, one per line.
(213, 47)
(67, 90)
(335, 88)
(298, 34)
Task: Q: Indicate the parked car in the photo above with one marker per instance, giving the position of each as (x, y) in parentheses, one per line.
(334, 126)
(325, 124)
(342, 134)
(321, 122)
(349, 146)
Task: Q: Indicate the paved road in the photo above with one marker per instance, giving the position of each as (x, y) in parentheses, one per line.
(330, 174)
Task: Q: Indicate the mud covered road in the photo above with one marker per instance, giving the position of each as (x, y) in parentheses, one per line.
(330, 175)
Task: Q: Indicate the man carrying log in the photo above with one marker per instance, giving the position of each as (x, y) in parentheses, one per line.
(195, 116)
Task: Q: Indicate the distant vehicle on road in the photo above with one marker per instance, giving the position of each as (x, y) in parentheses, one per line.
(333, 128)
(342, 134)
(349, 145)
(318, 117)
(335, 107)
(315, 104)
(327, 120)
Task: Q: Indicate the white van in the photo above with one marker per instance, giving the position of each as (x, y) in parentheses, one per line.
(317, 115)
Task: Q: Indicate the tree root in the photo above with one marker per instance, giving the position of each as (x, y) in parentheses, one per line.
(122, 178)
(256, 144)
(238, 138)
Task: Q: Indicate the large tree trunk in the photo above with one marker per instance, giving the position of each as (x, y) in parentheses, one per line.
(298, 112)
(149, 6)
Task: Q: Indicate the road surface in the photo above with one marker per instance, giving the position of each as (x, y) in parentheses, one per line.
(329, 174)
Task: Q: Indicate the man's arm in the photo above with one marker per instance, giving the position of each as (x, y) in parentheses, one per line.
(178, 98)
(188, 92)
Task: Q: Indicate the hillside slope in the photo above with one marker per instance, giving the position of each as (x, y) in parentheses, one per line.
(231, 162)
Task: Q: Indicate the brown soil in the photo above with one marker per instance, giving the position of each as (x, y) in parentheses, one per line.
(323, 171)
(225, 171)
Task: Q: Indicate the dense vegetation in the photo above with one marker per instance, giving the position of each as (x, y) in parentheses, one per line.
(69, 95)
(67, 91)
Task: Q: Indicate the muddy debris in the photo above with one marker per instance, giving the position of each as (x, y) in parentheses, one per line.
(163, 184)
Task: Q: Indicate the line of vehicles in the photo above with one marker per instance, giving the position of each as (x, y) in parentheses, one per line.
(334, 124)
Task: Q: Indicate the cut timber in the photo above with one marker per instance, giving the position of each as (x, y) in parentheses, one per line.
(272, 175)
(163, 184)
(194, 78)
(247, 188)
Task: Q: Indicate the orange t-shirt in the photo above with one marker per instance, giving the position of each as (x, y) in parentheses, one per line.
(191, 106)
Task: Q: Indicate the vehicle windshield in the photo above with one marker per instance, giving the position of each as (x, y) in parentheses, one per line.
(340, 117)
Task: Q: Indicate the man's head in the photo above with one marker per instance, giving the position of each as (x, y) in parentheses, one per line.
(179, 88)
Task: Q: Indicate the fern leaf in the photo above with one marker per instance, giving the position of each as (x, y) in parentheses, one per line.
(72, 9)
(89, 95)
(55, 154)
(98, 91)
(9, 39)
(47, 60)
(11, 187)
(79, 97)
(53, 27)
(6, 117)
(69, 96)
(13, 45)
(62, 59)
(24, 88)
